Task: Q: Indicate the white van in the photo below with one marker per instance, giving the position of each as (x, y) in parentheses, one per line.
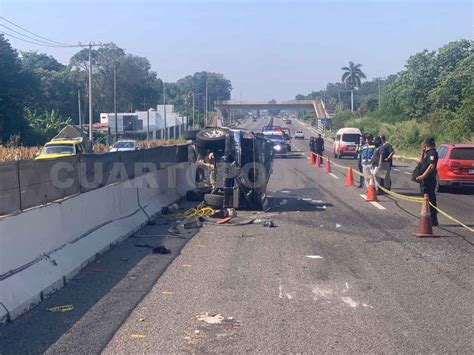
(347, 142)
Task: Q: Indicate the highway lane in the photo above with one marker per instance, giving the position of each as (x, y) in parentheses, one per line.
(336, 275)
(457, 202)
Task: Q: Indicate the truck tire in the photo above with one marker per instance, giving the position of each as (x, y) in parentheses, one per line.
(215, 201)
(211, 138)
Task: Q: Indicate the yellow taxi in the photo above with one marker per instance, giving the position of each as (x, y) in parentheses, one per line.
(60, 148)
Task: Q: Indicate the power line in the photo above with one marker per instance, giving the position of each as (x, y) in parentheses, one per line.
(34, 34)
(38, 41)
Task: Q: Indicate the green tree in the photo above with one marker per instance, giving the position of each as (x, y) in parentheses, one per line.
(352, 77)
(13, 93)
(45, 124)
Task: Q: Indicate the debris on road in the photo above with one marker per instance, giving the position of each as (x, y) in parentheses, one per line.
(349, 301)
(168, 293)
(209, 319)
(269, 224)
(65, 308)
(160, 249)
(192, 224)
(224, 220)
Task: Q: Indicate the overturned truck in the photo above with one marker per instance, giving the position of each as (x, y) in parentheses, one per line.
(233, 167)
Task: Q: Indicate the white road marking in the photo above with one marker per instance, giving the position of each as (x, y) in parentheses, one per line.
(406, 172)
(378, 205)
(396, 169)
(280, 289)
(334, 175)
(373, 203)
(314, 256)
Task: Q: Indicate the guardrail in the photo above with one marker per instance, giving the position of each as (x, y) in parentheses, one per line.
(29, 183)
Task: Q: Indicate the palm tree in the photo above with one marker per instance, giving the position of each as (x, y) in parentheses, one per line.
(352, 78)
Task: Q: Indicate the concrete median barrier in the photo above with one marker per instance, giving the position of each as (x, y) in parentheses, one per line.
(41, 249)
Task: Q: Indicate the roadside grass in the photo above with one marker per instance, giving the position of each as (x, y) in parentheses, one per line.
(28, 153)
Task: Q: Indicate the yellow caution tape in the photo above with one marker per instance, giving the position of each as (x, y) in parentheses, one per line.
(65, 308)
(452, 218)
(404, 197)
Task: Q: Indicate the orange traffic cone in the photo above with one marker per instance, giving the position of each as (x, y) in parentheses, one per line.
(312, 161)
(371, 193)
(318, 160)
(425, 228)
(349, 177)
(327, 167)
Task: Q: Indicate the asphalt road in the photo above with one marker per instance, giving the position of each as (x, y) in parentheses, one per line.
(336, 274)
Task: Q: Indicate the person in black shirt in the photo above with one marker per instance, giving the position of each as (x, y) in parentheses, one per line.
(427, 177)
(387, 161)
(319, 145)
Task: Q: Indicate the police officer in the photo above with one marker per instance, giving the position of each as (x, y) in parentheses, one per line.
(427, 175)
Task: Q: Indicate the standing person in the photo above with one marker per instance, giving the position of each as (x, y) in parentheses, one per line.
(363, 141)
(427, 175)
(311, 144)
(319, 145)
(376, 161)
(365, 158)
(387, 161)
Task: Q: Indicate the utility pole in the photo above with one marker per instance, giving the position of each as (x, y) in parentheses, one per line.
(148, 128)
(115, 105)
(378, 80)
(164, 110)
(90, 92)
(79, 103)
(193, 111)
(205, 118)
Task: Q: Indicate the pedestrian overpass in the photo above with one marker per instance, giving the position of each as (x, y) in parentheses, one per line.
(224, 107)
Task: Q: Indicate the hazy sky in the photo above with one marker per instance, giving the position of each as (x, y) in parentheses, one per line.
(269, 49)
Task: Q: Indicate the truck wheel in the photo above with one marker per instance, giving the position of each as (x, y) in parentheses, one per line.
(211, 138)
(215, 201)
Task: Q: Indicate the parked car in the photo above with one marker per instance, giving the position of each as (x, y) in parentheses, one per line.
(347, 142)
(288, 121)
(124, 146)
(59, 148)
(233, 167)
(455, 166)
(299, 134)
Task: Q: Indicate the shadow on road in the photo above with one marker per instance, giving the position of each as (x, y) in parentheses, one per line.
(296, 204)
(103, 295)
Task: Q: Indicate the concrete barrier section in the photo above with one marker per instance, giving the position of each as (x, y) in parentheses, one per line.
(43, 248)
